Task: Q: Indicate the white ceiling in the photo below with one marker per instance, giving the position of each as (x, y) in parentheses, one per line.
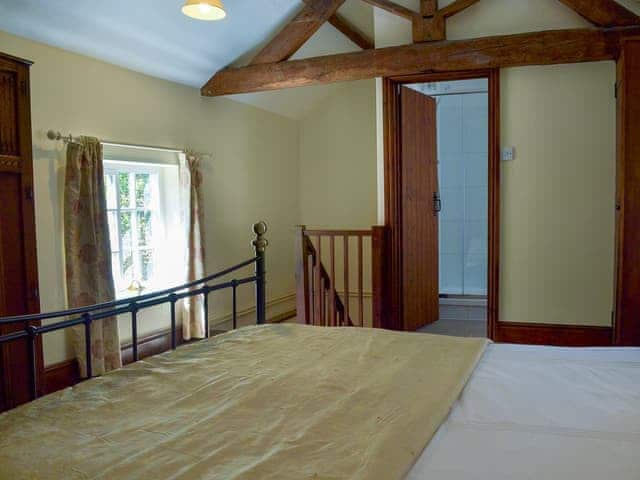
(153, 37)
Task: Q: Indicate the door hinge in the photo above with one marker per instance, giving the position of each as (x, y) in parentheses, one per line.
(23, 87)
(28, 191)
(36, 293)
(615, 90)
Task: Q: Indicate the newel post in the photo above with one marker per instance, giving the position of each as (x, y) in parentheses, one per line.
(260, 244)
(302, 276)
(379, 259)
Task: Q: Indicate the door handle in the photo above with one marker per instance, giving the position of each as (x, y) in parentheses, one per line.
(437, 203)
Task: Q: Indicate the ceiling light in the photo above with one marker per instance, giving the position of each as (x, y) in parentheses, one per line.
(204, 9)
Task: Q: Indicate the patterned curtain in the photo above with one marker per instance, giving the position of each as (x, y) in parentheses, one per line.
(88, 252)
(192, 218)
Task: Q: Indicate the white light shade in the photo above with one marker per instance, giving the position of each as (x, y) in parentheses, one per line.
(204, 9)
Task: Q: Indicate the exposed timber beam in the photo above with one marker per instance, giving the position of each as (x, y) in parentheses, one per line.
(393, 7)
(603, 13)
(537, 48)
(428, 8)
(456, 7)
(298, 31)
(432, 26)
(348, 30)
(351, 32)
(428, 25)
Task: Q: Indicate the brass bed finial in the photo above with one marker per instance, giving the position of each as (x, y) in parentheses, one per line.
(260, 242)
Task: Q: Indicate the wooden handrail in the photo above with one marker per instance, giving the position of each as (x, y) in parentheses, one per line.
(337, 233)
(318, 300)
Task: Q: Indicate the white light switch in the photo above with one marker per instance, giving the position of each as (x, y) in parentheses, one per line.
(508, 154)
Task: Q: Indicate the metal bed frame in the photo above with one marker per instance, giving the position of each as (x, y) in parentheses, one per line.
(86, 315)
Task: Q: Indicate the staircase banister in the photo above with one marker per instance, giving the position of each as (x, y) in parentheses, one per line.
(314, 283)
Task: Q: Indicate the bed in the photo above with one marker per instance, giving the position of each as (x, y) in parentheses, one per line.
(297, 402)
(291, 402)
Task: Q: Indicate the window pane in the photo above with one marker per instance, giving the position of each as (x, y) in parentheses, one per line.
(146, 264)
(123, 189)
(127, 268)
(143, 190)
(113, 231)
(125, 229)
(115, 266)
(111, 190)
(144, 228)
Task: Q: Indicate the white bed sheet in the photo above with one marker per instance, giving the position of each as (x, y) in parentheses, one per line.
(532, 412)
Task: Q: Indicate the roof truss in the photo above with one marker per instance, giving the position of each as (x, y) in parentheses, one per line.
(430, 50)
(349, 31)
(352, 33)
(298, 31)
(603, 13)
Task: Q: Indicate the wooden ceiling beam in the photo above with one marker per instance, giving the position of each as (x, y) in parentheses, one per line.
(431, 25)
(456, 7)
(428, 8)
(603, 13)
(345, 27)
(537, 48)
(351, 32)
(428, 25)
(289, 40)
(394, 8)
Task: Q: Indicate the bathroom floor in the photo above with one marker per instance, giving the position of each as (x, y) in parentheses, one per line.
(460, 319)
(457, 328)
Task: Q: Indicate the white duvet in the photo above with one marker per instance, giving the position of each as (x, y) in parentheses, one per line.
(542, 413)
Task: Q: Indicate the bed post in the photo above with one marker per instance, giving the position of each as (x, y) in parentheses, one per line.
(260, 244)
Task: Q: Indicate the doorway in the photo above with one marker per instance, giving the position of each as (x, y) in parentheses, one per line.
(442, 201)
(462, 154)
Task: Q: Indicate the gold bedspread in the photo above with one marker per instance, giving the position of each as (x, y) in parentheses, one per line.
(272, 402)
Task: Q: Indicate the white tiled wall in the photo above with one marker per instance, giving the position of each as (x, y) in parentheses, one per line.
(463, 162)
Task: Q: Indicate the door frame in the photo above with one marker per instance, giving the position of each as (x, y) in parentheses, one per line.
(393, 190)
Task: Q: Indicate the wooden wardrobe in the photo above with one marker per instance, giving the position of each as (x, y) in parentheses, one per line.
(18, 263)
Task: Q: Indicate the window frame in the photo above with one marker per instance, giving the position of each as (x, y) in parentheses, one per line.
(115, 167)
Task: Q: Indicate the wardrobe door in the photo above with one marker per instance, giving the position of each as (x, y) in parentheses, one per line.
(18, 261)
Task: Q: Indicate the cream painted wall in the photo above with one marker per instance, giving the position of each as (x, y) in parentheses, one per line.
(338, 159)
(557, 220)
(558, 196)
(253, 174)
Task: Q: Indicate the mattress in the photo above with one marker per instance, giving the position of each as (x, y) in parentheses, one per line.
(545, 413)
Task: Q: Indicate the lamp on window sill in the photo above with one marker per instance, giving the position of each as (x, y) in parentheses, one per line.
(136, 286)
(204, 9)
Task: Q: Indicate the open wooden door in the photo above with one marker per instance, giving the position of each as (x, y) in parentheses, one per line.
(420, 207)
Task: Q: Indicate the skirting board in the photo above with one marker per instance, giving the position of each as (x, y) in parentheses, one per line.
(61, 375)
(556, 335)
(67, 373)
(275, 308)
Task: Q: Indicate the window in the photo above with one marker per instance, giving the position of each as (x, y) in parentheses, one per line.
(141, 208)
